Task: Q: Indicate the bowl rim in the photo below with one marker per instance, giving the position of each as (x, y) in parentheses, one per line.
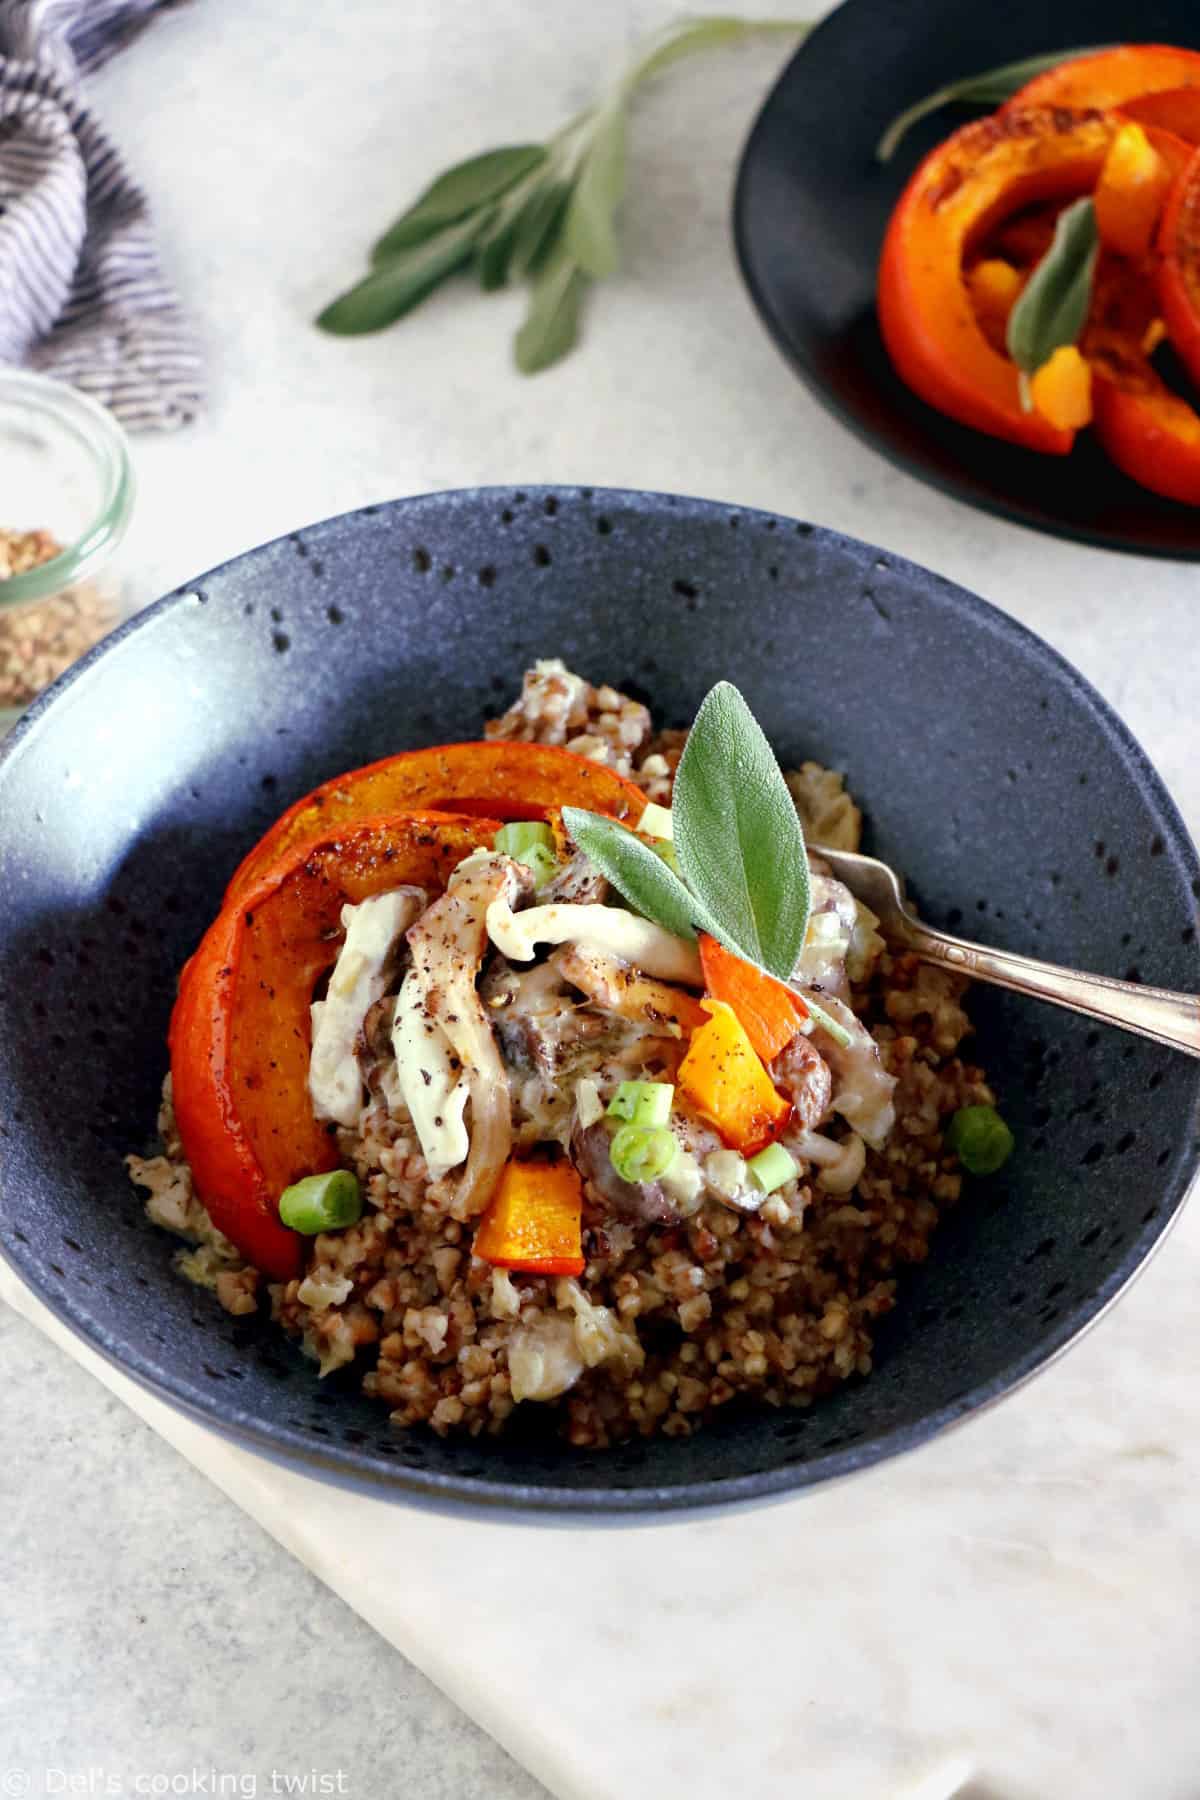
(996, 505)
(355, 1468)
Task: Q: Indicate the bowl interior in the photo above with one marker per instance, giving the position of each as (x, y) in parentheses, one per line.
(988, 770)
(812, 204)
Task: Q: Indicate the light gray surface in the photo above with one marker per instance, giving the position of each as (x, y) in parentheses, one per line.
(150, 1628)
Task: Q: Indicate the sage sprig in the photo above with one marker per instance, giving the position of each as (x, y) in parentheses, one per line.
(466, 188)
(1053, 307)
(640, 875)
(545, 214)
(738, 836)
(738, 840)
(991, 88)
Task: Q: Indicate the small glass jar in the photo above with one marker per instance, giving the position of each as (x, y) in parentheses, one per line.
(66, 495)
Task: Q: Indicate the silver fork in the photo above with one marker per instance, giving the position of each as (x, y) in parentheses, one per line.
(1156, 1013)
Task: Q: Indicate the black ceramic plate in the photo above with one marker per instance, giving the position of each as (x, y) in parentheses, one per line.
(809, 217)
(987, 768)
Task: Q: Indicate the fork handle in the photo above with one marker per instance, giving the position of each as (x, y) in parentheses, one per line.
(1156, 1013)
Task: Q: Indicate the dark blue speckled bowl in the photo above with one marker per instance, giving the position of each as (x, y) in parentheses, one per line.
(987, 768)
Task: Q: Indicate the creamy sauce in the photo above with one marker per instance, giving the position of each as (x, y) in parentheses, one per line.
(358, 981)
(862, 1087)
(430, 1081)
(648, 947)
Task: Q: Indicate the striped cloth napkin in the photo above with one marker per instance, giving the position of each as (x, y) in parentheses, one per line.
(82, 294)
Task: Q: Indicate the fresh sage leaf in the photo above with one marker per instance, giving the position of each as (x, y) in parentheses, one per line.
(992, 88)
(1053, 307)
(538, 225)
(591, 228)
(502, 251)
(544, 213)
(738, 837)
(494, 252)
(525, 227)
(552, 323)
(738, 841)
(394, 287)
(638, 873)
(461, 190)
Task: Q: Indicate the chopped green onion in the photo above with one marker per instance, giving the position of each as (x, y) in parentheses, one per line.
(658, 828)
(531, 842)
(771, 1168)
(643, 1152)
(542, 863)
(642, 1102)
(322, 1202)
(980, 1139)
(820, 1017)
(656, 822)
(513, 840)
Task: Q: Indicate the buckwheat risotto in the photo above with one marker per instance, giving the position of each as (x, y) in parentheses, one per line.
(553, 1071)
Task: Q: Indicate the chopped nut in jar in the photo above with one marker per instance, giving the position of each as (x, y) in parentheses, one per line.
(39, 641)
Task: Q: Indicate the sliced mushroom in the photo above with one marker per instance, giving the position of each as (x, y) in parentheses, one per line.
(606, 928)
(676, 1194)
(839, 1163)
(619, 989)
(600, 1335)
(543, 1358)
(862, 1087)
(429, 1081)
(374, 935)
(375, 1048)
(447, 945)
(578, 883)
(542, 1026)
(801, 1072)
(640, 1202)
(831, 926)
